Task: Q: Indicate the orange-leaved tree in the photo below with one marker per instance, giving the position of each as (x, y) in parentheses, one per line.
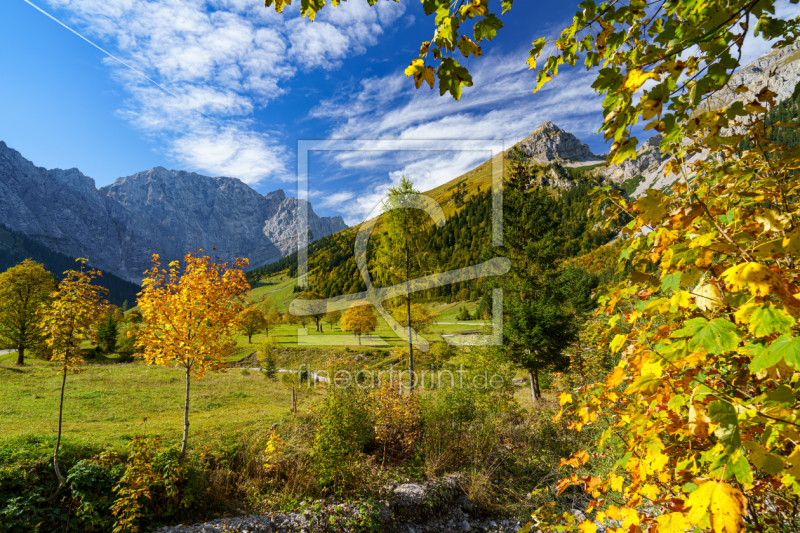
(189, 317)
(71, 318)
(359, 320)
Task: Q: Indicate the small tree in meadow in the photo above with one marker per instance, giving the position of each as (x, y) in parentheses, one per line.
(190, 317)
(272, 316)
(24, 290)
(311, 295)
(268, 357)
(107, 333)
(359, 320)
(71, 318)
(332, 317)
(250, 321)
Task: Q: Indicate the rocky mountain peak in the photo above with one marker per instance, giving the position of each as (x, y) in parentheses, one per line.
(549, 143)
(278, 195)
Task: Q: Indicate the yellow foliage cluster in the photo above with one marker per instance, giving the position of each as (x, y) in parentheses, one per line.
(705, 396)
(189, 315)
(398, 421)
(72, 316)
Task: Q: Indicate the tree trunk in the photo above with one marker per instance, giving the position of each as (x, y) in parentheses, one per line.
(408, 325)
(536, 394)
(185, 418)
(294, 400)
(21, 355)
(59, 475)
(249, 339)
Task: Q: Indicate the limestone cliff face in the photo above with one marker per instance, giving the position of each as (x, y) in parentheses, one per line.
(159, 211)
(284, 228)
(549, 143)
(648, 159)
(779, 70)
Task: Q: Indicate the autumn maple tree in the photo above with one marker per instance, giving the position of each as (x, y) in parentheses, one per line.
(189, 317)
(359, 320)
(71, 317)
(24, 290)
(704, 398)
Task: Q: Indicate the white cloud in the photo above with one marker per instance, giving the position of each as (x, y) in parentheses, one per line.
(222, 60)
(500, 106)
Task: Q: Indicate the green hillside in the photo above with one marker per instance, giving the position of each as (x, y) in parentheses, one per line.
(16, 247)
(462, 242)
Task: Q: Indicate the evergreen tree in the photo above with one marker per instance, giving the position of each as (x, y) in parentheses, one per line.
(538, 324)
(107, 334)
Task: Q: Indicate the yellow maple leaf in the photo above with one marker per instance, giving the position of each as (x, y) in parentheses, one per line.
(681, 299)
(652, 207)
(698, 422)
(773, 220)
(755, 277)
(707, 297)
(721, 503)
(636, 79)
(617, 342)
(673, 523)
(615, 378)
(587, 527)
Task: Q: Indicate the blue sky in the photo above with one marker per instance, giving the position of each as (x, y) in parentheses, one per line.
(240, 85)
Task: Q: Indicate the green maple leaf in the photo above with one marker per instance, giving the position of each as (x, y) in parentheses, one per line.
(762, 357)
(671, 281)
(787, 348)
(716, 337)
(487, 28)
(768, 320)
(724, 414)
(452, 77)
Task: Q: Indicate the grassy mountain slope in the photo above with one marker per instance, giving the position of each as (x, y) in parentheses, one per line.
(462, 242)
(16, 247)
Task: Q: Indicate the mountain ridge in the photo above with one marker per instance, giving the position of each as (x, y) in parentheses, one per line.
(119, 227)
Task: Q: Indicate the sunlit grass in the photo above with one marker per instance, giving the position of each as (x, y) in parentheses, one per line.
(107, 403)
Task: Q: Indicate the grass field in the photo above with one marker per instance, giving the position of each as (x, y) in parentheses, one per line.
(279, 290)
(107, 403)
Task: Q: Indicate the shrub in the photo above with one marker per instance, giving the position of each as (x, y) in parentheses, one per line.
(268, 357)
(92, 483)
(463, 314)
(398, 422)
(344, 434)
(155, 486)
